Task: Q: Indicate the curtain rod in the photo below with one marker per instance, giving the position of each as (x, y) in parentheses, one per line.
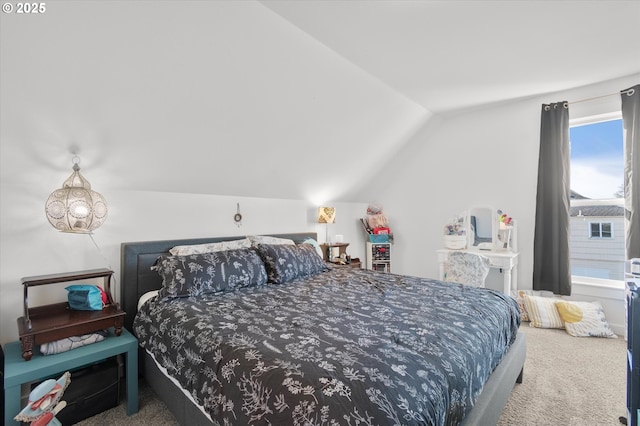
(629, 92)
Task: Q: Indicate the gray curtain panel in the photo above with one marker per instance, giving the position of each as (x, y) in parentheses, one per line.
(551, 264)
(631, 123)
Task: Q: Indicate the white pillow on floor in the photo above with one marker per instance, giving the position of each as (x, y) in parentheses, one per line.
(584, 319)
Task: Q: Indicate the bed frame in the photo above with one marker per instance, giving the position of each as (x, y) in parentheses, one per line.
(137, 278)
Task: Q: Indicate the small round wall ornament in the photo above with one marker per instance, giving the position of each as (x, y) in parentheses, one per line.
(237, 218)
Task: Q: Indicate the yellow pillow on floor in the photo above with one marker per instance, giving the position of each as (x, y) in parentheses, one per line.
(542, 311)
(584, 319)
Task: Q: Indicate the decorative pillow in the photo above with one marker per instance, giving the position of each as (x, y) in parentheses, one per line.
(210, 247)
(263, 239)
(519, 296)
(286, 262)
(315, 245)
(584, 319)
(542, 311)
(197, 274)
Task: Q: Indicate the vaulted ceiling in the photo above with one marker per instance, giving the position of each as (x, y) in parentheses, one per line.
(277, 99)
(448, 55)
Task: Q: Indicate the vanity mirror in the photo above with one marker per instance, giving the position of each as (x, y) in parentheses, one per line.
(483, 227)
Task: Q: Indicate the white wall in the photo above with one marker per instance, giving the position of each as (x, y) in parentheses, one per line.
(228, 99)
(487, 157)
(30, 246)
(178, 111)
(209, 97)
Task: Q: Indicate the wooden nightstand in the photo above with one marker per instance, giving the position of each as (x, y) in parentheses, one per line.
(326, 250)
(48, 323)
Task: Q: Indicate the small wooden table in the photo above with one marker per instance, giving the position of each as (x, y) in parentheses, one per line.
(326, 250)
(48, 323)
(17, 371)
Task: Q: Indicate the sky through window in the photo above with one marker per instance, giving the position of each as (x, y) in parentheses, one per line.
(597, 159)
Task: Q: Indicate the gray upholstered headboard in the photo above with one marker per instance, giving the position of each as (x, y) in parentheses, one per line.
(137, 258)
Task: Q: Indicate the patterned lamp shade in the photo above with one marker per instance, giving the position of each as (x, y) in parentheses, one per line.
(326, 214)
(75, 207)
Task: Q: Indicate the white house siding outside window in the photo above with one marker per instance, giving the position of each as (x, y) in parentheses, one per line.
(597, 239)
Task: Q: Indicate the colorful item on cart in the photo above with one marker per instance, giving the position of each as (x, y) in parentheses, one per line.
(44, 402)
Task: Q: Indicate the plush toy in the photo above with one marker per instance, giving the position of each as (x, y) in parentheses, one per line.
(375, 217)
(44, 402)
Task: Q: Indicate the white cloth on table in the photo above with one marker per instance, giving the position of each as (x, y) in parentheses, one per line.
(72, 342)
(467, 268)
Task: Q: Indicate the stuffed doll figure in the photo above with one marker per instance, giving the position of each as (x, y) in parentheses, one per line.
(375, 217)
(45, 402)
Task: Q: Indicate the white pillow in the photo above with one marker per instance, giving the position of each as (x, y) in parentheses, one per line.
(263, 239)
(315, 245)
(584, 319)
(147, 296)
(210, 247)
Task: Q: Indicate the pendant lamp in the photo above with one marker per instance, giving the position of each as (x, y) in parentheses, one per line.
(76, 207)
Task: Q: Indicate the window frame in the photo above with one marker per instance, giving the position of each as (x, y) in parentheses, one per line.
(582, 121)
(600, 236)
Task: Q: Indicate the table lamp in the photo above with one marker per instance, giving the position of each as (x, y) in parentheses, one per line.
(326, 215)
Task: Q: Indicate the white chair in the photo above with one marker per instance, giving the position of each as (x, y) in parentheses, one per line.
(467, 268)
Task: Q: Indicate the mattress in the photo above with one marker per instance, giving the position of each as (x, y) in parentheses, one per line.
(345, 346)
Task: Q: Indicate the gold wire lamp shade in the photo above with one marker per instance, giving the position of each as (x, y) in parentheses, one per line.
(326, 215)
(76, 207)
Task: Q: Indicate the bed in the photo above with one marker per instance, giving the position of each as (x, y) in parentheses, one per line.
(341, 346)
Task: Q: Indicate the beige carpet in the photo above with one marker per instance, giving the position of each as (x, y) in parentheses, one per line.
(151, 412)
(568, 381)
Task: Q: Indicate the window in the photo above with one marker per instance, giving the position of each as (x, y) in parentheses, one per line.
(597, 203)
(600, 230)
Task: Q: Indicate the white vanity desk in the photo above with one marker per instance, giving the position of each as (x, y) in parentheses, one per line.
(505, 260)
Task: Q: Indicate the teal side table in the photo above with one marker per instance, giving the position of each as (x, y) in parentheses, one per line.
(18, 371)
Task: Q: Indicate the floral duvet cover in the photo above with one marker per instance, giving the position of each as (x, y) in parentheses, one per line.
(343, 347)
